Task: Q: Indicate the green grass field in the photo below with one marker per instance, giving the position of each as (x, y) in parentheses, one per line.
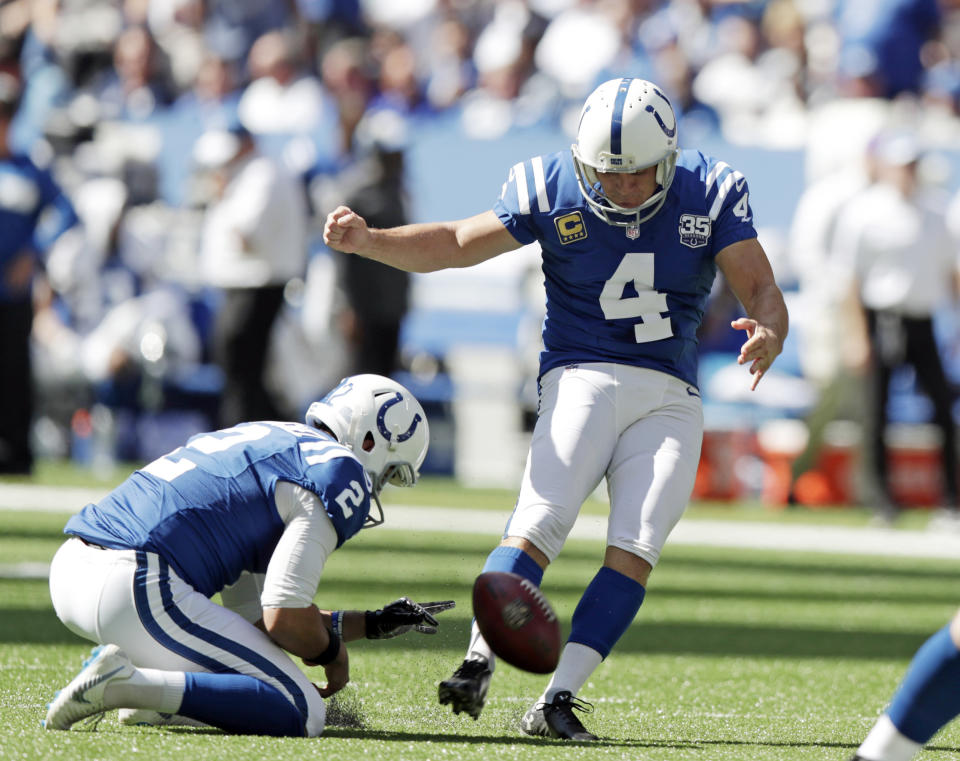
(734, 655)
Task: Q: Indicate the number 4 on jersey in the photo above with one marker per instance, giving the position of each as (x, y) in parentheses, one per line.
(648, 304)
(742, 209)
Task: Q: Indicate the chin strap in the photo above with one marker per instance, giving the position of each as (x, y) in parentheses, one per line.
(372, 521)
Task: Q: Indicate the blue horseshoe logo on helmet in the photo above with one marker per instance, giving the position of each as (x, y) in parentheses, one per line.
(382, 426)
(650, 109)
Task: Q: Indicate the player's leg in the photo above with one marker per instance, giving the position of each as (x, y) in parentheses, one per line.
(924, 354)
(886, 338)
(926, 700)
(571, 445)
(171, 635)
(650, 479)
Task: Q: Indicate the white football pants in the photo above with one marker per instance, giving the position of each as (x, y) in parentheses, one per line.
(640, 428)
(135, 600)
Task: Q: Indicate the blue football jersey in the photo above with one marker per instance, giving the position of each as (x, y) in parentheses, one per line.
(33, 213)
(636, 295)
(208, 507)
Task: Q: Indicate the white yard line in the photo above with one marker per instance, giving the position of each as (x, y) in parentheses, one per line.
(704, 533)
(848, 540)
(47, 499)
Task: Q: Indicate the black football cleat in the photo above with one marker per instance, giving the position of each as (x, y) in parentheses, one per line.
(557, 719)
(466, 689)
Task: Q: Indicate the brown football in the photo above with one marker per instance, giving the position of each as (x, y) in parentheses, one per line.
(517, 621)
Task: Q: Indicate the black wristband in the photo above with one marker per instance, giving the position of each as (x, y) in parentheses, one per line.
(369, 620)
(330, 654)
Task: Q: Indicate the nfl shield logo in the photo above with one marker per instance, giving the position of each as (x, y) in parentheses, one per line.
(633, 232)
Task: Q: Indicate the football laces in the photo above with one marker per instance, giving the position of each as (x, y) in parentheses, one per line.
(539, 598)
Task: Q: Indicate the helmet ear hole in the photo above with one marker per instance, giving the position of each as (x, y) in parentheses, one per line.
(368, 442)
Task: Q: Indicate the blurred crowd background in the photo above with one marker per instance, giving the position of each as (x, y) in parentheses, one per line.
(161, 246)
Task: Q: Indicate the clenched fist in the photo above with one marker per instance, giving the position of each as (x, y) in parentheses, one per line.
(346, 231)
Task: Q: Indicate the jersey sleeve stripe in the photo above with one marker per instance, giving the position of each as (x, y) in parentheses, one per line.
(718, 169)
(722, 191)
(540, 183)
(325, 452)
(523, 196)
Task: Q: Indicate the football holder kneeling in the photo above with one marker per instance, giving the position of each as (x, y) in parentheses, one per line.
(517, 621)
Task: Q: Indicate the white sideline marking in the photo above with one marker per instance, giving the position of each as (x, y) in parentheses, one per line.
(24, 570)
(846, 540)
(704, 533)
(47, 499)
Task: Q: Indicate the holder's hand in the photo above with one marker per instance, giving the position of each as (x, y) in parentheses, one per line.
(402, 615)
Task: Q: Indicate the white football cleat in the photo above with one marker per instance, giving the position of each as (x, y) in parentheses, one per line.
(147, 717)
(83, 697)
(533, 723)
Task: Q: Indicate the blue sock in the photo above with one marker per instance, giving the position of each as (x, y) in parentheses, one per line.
(606, 609)
(241, 705)
(928, 697)
(514, 560)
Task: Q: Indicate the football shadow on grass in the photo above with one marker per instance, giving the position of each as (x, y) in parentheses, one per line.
(487, 739)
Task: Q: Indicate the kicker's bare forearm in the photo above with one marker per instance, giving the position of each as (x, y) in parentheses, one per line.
(432, 246)
(425, 247)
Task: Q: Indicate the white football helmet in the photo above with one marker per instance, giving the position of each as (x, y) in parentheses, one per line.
(384, 426)
(626, 125)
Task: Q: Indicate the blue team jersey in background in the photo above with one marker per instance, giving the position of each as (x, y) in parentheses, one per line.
(26, 192)
(208, 507)
(614, 294)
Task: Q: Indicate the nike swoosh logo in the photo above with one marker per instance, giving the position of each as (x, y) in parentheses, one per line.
(82, 697)
(739, 184)
(692, 391)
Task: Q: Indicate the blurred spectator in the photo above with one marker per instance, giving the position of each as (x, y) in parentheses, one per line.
(177, 27)
(139, 86)
(347, 76)
(210, 104)
(755, 90)
(377, 295)
(941, 86)
(508, 94)
(254, 242)
(881, 43)
(451, 69)
(232, 26)
(26, 192)
(117, 311)
(398, 84)
(817, 312)
(65, 47)
(562, 53)
(283, 97)
(901, 265)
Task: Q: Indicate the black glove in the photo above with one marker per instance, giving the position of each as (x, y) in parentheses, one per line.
(402, 615)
